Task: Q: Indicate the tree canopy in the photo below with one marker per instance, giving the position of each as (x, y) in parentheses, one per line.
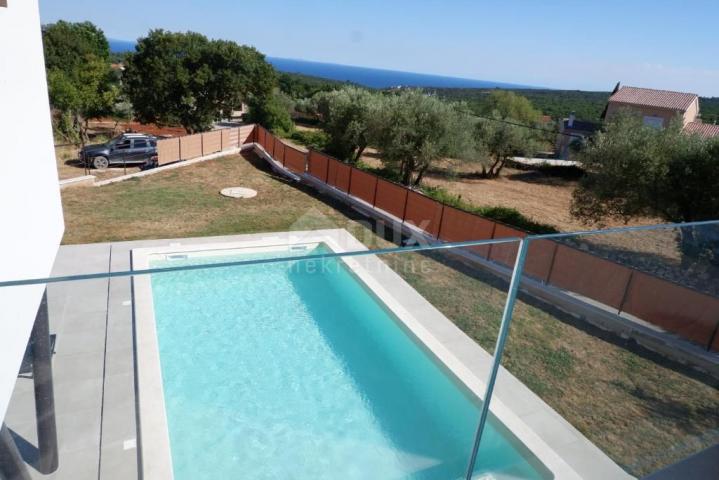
(414, 130)
(501, 136)
(635, 170)
(187, 79)
(80, 81)
(347, 116)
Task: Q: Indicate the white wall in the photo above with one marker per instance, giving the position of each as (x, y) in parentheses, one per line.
(31, 223)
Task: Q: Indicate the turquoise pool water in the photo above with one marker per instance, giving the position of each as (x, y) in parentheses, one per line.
(294, 370)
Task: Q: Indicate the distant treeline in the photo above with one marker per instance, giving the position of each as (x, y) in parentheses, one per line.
(555, 103)
(560, 103)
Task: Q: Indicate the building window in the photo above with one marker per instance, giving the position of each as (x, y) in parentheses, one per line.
(654, 122)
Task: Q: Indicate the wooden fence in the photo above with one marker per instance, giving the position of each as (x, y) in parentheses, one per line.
(170, 150)
(685, 312)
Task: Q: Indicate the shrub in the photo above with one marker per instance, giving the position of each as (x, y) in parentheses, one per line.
(314, 139)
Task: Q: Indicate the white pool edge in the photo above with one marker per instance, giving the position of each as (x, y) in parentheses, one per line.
(437, 333)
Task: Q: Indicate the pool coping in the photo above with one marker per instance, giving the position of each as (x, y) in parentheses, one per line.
(532, 422)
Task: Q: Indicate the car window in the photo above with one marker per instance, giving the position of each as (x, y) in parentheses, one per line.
(123, 145)
(140, 143)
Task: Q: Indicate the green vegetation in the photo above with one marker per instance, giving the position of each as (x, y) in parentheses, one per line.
(80, 82)
(347, 116)
(186, 79)
(316, 140)
(709, 109)
(500, 137)
(634, 170)
(555, 103)
(272, 111)
(508, 216)
(413, 131)
(300, 86)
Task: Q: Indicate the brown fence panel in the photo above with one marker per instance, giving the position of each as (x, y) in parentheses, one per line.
(270, 140)
(318, 163)
(295, 160)
(540, 256)
(246, 134)
(505, 253)
(588, 275)
(211, 142)
(460, 226)
(262, 137)
(423, 212)
(688, 313)
(168, 150)
(363, 185)
(338, 174)
(391, 198)
(191, 146)
(278, 152)
(230, 138)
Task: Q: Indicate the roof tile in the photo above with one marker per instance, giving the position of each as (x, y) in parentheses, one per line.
(648, 97)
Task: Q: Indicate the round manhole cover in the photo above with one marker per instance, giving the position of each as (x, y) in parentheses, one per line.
(238, 192)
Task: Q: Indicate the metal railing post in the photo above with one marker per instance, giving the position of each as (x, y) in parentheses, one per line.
(498, 350)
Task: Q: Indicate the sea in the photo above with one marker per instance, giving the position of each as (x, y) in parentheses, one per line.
(368, 77)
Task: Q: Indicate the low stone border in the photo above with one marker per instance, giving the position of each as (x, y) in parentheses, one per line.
(82, 181)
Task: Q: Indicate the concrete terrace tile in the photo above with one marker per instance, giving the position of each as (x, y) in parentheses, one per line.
(82, 464)
(545, 424)
(89, 341)
(118, 462)
(22, 408)
(71, 322)
(72, 397)
(78, 367)
(120, 361)
(119, 390)
(79, 430)
(118, 423)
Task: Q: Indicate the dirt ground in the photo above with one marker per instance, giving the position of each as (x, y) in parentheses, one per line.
(68, 165)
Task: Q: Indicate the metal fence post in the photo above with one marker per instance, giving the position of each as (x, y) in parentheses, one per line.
(441, 217)
(551, 264)
(626, 292)
(499, 349)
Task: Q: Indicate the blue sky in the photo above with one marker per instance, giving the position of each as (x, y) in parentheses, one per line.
(573, 44)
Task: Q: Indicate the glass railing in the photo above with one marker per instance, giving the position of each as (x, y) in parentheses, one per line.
(304, 355)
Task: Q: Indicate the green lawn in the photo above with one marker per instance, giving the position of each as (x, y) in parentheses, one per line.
(641, 411)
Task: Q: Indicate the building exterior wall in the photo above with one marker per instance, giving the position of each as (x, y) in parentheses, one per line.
(31, 219)
(692, 112)
(666, 114)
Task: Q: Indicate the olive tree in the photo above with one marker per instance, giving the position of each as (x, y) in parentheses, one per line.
(347, 116)
(635, 170)
(507, 130)
(413, 131)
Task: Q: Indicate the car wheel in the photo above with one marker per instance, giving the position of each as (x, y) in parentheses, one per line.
(100, 163)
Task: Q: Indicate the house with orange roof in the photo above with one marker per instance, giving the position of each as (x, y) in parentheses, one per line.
(659, 107)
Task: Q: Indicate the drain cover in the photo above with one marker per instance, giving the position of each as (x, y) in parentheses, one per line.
(238, 192)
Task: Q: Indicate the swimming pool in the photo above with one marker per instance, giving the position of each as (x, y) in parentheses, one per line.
(297, 370)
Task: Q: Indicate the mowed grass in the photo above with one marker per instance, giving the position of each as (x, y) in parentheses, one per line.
(638, 409)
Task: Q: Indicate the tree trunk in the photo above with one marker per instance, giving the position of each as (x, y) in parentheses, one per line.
(420, 174)
(360, 151)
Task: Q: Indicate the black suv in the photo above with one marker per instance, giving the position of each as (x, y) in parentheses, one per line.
(125, 149)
